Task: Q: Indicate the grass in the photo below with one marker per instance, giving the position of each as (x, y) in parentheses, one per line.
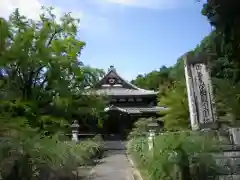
(140, 168)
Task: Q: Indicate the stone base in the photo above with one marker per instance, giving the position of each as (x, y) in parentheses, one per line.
(228, 159)
(228, 162)
(228, 177)
(209, 126)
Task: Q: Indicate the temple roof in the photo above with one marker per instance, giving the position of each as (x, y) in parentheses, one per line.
(136, 110)
(114, 91)
(113, 84)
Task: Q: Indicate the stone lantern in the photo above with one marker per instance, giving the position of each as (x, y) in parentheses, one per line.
(75, 130)
(152, 128)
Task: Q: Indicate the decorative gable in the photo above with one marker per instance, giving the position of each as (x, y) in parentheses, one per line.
(112, 84)
(112, 79)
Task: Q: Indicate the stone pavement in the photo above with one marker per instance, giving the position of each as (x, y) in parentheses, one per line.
(114, 165)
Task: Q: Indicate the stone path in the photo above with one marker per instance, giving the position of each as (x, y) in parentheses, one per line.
(114, 165)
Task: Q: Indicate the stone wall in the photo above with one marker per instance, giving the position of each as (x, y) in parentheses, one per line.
(228, 158)
(229, 163)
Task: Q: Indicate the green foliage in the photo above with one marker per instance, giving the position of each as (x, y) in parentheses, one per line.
(227, 100)
(176, 117)
(42, 89)
(223, 71)
(169, 82)
(33, 156)
(224, 16)
(40, 55)
(43, 78)
(153, 80)
(161, 79)
(177, 70)
(222, 49)
(172, 154)
(25, 153)
(140, 128)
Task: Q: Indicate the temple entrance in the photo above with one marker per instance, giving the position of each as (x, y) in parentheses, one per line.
(116, 125)
(112, 125)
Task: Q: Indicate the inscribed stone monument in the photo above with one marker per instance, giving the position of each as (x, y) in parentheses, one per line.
(199, 88)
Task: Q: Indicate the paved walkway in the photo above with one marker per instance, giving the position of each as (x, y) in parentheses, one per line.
(114, 166)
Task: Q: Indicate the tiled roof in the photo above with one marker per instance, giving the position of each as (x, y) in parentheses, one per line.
(118, 91)
(119, 87)
(136, 110)
(112, 71)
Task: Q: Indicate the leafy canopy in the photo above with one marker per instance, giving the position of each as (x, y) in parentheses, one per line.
(177, 115)
(42, 85)
(42, 78)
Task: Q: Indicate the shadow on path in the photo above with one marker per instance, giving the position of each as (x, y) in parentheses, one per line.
(114, 165)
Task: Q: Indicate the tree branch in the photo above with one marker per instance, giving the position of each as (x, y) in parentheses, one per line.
(37, 72)
(53, 35)
(19, 73)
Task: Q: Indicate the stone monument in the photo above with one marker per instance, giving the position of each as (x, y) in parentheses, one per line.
(203, 114)
(199, 89)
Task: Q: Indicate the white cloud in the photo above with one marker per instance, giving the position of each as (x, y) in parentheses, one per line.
(152, 4)
(29, 8)
(32, 8)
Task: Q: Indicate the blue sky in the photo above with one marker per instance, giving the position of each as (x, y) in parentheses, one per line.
(136, 36)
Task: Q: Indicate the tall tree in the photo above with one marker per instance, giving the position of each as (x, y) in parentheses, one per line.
(42, 88)
(224, 16)
(175, 99)
(154, 80)
(41, 73)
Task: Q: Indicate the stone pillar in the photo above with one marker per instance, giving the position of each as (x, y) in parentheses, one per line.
(235, 135)
(75, 131)
(190, 92)
(151, 140)
(200, 97)
(152, 126)
(74, 135)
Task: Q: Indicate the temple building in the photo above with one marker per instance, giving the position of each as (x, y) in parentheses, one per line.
(126, 102)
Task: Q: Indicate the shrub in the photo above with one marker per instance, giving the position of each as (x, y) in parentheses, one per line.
(140, 128)
(29, 157)
(172, 155)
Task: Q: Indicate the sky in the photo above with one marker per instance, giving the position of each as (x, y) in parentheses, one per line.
(136, 36)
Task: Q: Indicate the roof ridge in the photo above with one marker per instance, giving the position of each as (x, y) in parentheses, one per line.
(132, 86)
(135, 87)
(146, 90)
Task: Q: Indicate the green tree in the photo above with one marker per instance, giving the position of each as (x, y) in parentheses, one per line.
(227, 101)
(223, 73)
(154, 80)
(225, 17)
(177, 70)
(42, 87)
(42, 75)
(177, 115)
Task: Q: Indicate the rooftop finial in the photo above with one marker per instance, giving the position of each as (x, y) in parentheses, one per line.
(111, 68)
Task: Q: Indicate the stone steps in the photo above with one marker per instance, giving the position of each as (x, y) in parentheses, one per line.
(228, 162)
